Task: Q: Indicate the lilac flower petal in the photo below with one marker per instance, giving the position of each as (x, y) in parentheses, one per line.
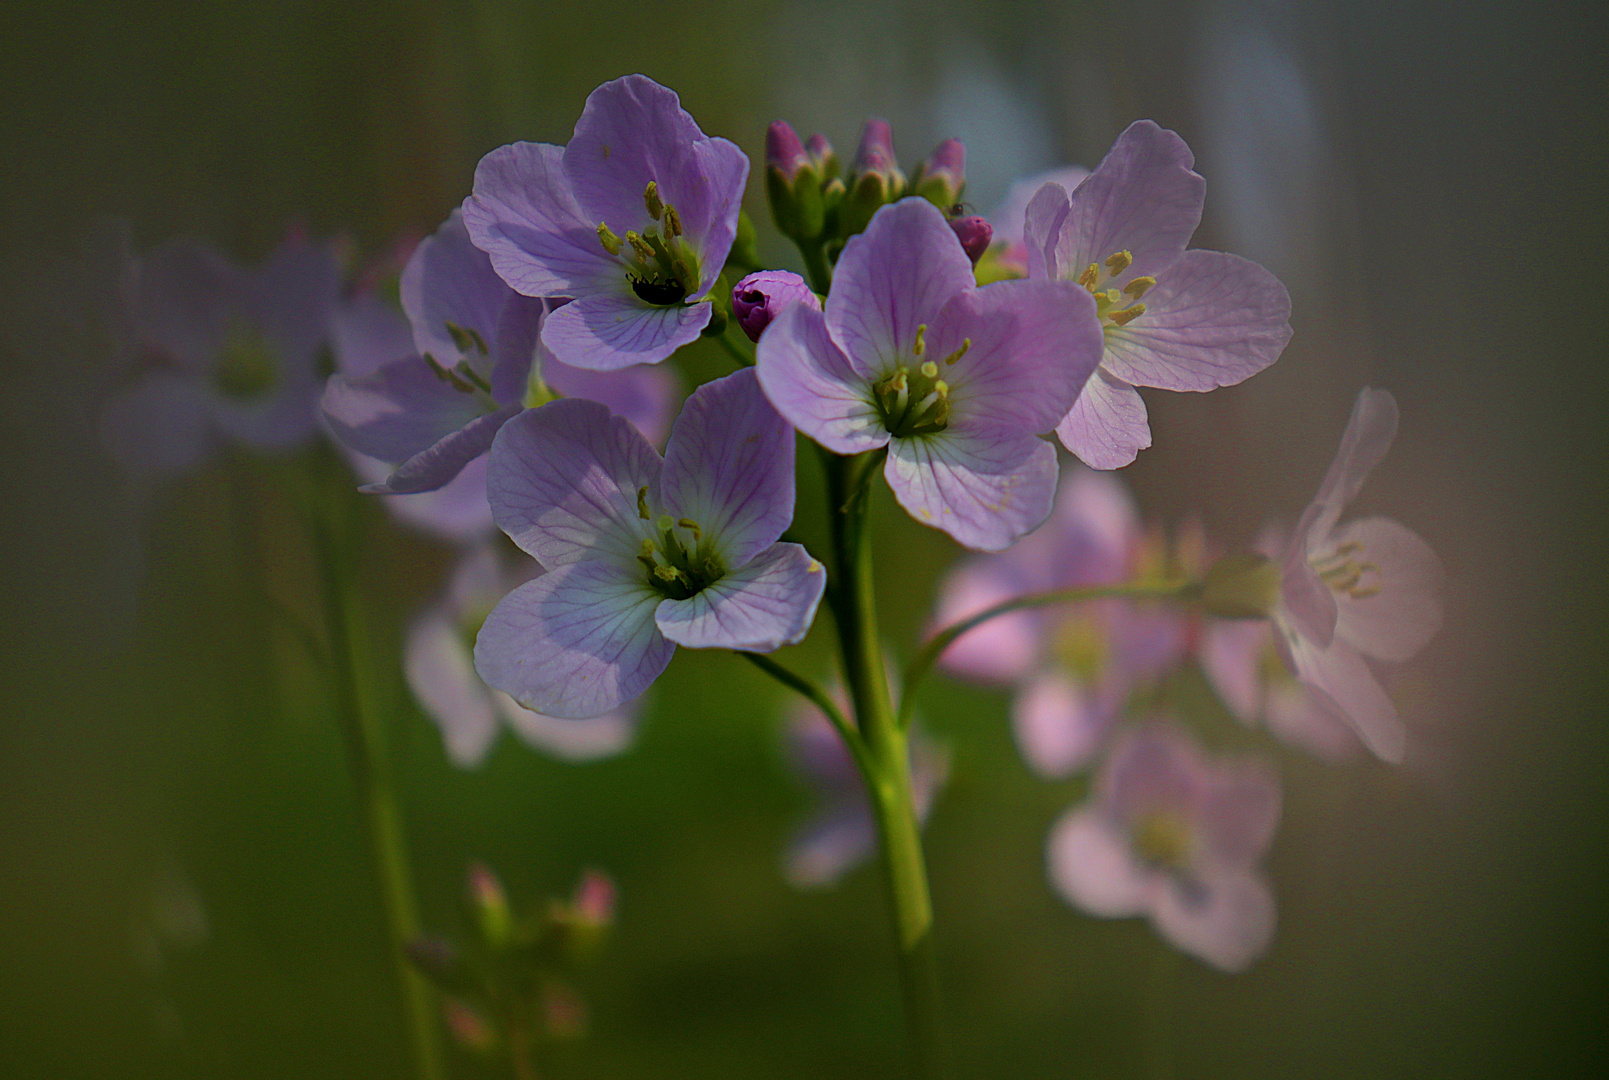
(1227, 921)
(1092, 532)
(524, 215)
(984, 487)
(830, 845)
(1231, 652)
(645, 395)
(815, 386)
(516, 347)
(576, 642)
(1004, 649)
(287, 418)
(1033, 346)
(729, 467)
(608, 331)
(1399, 620)
(892, 278)
(571, 740)
(1092, 866)
(1107, 426)
(1369, 433)
(402, 409)
(1143, 198)
(1155, 766)
(188, 295)
(758, 607)
(1043, 219)
(1306, 720)
(1212, 320)
(1307, 603)
(713, 206)
(367, 333)
(1009, 216)
(449, 280)
(160, 427)
(1347, 683)
(291, 297)
(437, 465)
(565, 480)
(456, 512)
(1059, 723)
(1240, 812)
(441, 674)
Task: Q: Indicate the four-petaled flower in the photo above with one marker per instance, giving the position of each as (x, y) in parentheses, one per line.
(633, 220)
(957, 381)
(1349, 594)
(1171, 318)
(1177, 838)
(643, 554)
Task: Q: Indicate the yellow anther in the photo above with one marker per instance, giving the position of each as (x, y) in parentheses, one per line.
(1119, 261)
(1091, 274)
(966, 346)
(642, 506)
(1127, 315)
(1363, 592)
(610, 242)
(666, 573)
(648, 549)
(920, 345)
(930, 369)
(1139, 287)
(650, 198)
(691, 526)
(942, 389)
(640, 246)
(673, 222)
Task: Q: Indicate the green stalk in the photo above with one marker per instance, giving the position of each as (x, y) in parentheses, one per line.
(817, 272)
(886, 761)
(364, 731)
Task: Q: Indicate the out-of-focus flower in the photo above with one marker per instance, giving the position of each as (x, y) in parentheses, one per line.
(840, 834)
(1074, 668)
(439, 664)
(222, 353)
(957, 381)
(1175, 837)
(643, 554)
(1350, 594)
(475, 361)
(1172, 319)
(758, 298)
(633, 219)
(1010, 253)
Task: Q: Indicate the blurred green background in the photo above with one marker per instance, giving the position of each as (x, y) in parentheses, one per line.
(1427, 177)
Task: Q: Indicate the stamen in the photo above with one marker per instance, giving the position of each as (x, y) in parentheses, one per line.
(1139, 287)
(644, 252)
(691, 526)
(650, 198)
(966, 346)
(470, 375)
(610, 242)
(1119, 261)
(673, 222)
(466, 338)
(919, 346)
(642, 507)
(1091, 274)
(1127, 315)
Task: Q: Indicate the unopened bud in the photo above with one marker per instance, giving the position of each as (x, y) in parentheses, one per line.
(943, 176)
(783, 150)
(595, 898)
(439, 962)
(975, 235)
(1243, 585)
(472, 1030)
(761, 297)
(793, 185)
(490, 904)
(875, 154)
(822, 155)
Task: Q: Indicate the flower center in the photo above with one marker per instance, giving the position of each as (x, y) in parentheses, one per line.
(660, 264)
(248, 368)
(912, 399)
(1163, 837)
(1344, 572)
(1081, 647)
(1116, 307)
(681, 562)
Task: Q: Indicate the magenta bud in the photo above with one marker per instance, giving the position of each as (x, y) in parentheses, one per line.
(472, 1030)
(783, 150)
(975, 235)
(594, 901)
(762, 296)
(876, 151)
(943, 175)
(822, 155)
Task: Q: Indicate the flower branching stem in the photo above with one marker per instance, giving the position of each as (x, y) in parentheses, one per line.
(336, 545)
(741, 357)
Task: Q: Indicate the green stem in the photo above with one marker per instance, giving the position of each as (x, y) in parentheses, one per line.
(818, 697)
(929, 653)
(741, 357)
(371, 773)
(817, 272)
(886, 764)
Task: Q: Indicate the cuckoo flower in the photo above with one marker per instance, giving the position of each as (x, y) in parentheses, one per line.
(1010, 252)
(475, 361)
(1177, 838)
(643, 554)
(1172, 319)
(633, 219)
(1349, 594)
(841, 834)
(1074, 668)
(441, 674)
(758, 298)
(227, 354)
(955, 380)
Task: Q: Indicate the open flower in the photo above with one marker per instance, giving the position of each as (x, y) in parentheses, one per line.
(1177, 838)
(1172, 319)
(441, 674)
(475, 361)
(1009, 252)
(225, 353)
(957, 381)
(633, 219)
(643, 554)
(1364, 591)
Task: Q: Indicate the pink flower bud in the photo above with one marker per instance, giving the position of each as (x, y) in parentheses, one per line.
(761, 297)
(783, 150)
(975, 235)
(876, 151)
